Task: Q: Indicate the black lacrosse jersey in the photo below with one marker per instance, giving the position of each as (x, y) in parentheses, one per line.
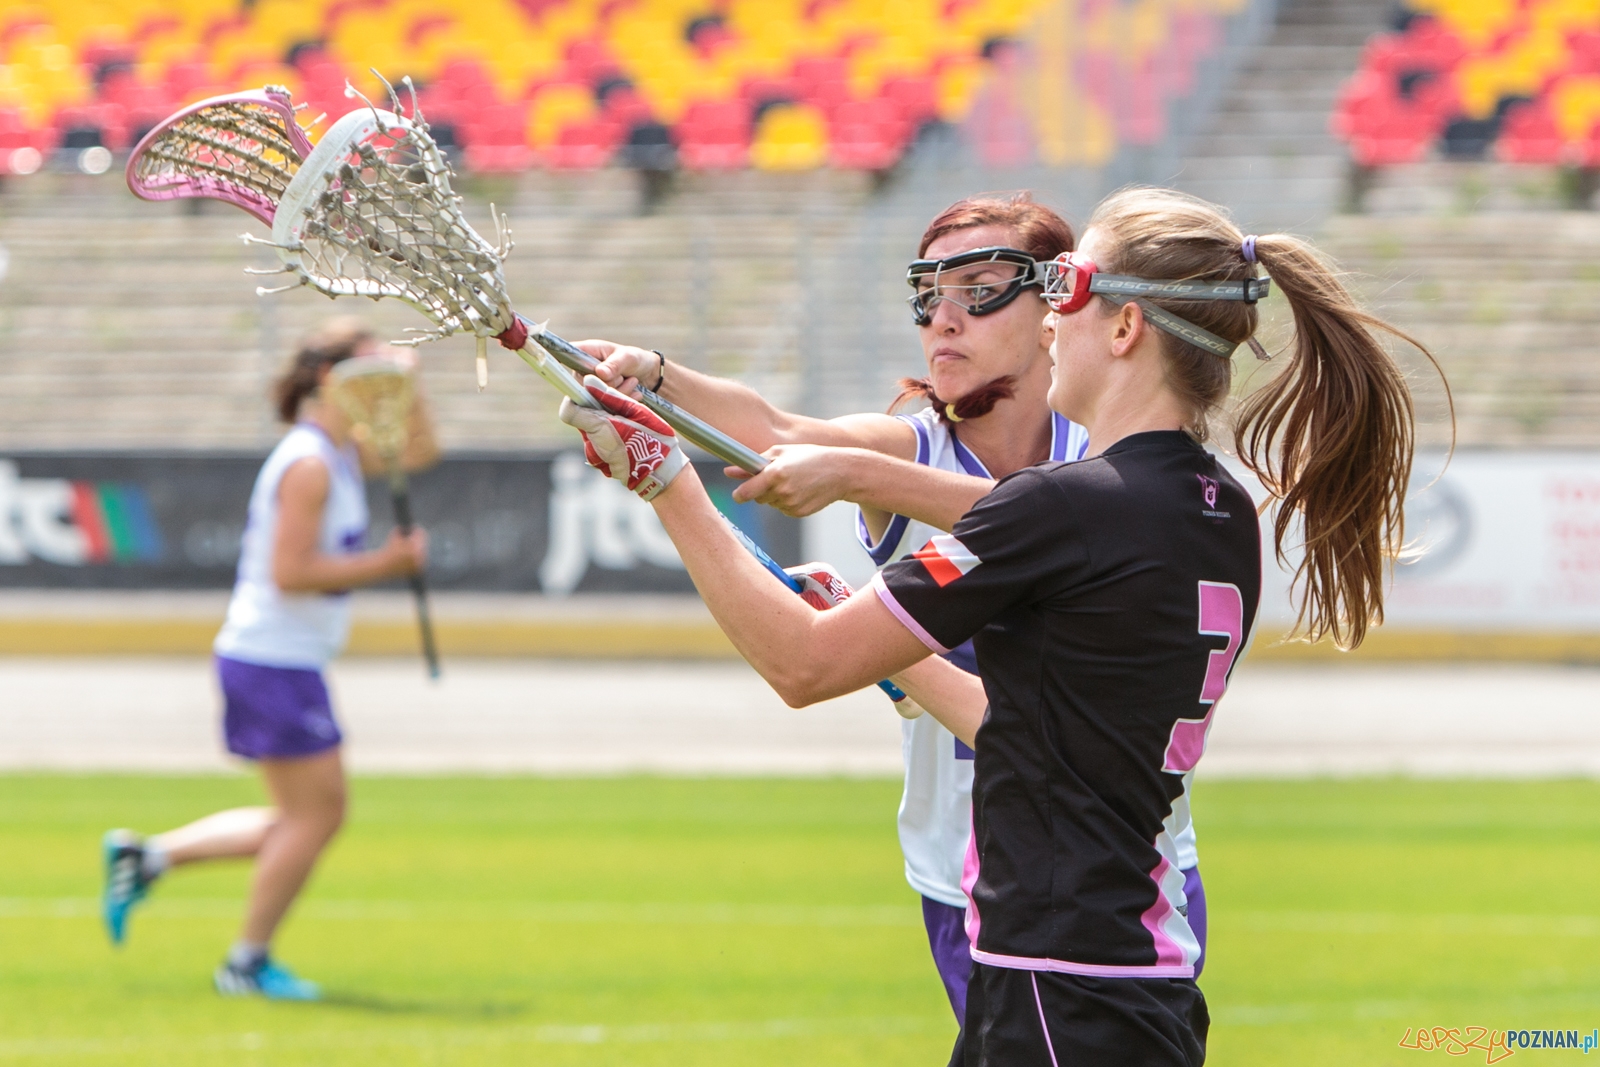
(1107, 601)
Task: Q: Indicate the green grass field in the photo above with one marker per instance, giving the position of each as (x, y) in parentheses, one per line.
(659, 921)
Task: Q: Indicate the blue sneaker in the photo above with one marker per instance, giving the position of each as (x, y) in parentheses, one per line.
(265, 979)
(126, 882)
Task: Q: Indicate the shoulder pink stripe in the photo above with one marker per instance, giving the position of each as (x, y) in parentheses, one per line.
(1097, 970)
(878, 586)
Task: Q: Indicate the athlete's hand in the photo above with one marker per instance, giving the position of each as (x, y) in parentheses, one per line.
(405, 554)
(799, 480)
(624, 367)
(625, 440)
(820, 585)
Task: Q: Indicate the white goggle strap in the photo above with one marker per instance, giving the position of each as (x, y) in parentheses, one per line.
(1127, 288)
(1249, 291)
(1185, 330)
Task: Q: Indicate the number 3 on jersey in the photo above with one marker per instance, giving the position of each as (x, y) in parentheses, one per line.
(1221, 615)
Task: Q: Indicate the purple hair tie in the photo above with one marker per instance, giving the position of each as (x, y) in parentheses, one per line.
(1249, 249)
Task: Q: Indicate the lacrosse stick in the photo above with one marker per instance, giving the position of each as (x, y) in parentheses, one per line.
(371, 213)
(243, 148)
(377, 395)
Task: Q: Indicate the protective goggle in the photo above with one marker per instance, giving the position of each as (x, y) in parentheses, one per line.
(1070, 279)
(979, 282)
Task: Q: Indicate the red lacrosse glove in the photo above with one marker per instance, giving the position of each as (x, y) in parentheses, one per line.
(625, 440)
(820, 585)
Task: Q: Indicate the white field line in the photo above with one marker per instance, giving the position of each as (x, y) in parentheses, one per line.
(1336, 922)
(487, 1035)
(476, 911)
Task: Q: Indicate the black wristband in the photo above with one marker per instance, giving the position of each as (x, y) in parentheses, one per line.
(661, 371)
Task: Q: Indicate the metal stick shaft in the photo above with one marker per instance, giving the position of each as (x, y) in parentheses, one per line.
(401, 498)
(688, 426)
(562, 377)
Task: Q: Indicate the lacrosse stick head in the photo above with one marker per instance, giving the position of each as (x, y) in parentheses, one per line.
(371, 213)
(376, 393)
(242, 148)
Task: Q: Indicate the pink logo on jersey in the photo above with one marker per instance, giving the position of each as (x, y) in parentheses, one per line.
(1208, 489)
(946, 558)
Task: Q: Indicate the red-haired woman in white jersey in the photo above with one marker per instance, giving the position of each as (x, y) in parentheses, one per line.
(1107, 600)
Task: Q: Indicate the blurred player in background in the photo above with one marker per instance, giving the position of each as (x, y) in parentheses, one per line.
(1109, 600)
(289, 616)
(977, 303)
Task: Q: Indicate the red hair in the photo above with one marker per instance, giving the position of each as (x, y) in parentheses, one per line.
(1040, 232)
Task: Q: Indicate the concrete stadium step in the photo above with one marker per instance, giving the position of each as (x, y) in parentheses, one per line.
(1516, 339)
(1282, 96)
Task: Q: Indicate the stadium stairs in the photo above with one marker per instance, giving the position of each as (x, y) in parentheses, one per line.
(132, 325)
(1267, 149)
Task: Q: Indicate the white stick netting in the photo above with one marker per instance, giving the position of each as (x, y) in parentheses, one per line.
(386, 223)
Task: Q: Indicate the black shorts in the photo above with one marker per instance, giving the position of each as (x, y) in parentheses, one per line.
(1041, 1019)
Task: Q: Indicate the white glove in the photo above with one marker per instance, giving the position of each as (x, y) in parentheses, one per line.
(625, 440)
(820, 585)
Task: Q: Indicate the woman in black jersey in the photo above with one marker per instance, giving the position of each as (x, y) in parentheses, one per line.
(1107, 600)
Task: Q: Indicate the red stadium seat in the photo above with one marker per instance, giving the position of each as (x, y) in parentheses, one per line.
(917, 98)
(715, 135)
(1529, 135)
(586, 146)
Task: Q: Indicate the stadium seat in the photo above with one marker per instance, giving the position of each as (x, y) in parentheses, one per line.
(790, 137)
(715, 135)
(585, 146)
(847, 65)
(1519, 79)
(1529, 134)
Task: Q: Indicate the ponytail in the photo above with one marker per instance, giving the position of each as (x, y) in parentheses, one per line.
(335, 342)
(1331, 437)
(979, 402)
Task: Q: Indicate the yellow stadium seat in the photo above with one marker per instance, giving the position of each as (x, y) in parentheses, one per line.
(790, 137)
(557, 107)
(1576, 104)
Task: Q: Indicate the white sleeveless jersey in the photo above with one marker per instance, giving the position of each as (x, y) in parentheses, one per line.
(935, 818)
(266, 625)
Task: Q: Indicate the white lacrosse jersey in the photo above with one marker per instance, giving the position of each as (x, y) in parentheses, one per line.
(935, 818)
(266, 625)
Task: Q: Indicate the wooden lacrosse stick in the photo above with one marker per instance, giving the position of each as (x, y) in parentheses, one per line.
(378, 395)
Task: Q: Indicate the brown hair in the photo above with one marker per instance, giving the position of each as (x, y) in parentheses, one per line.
(1331, 437)
(333, 342)
(1041, 232)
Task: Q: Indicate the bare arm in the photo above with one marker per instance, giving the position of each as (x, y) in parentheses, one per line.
(299, 566)
(741, 412)
(804, 654)
(948, 693)
(803, 479)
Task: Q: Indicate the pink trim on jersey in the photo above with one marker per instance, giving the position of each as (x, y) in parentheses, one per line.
(887, 598)
(1093, 970)
(1159, 920)
(1048, 1044)
(969, 878)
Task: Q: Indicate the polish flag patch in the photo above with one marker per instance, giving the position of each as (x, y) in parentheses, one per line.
(946, 558)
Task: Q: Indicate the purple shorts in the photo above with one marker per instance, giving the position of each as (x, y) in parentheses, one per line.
(952, 954)
(275, 712)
